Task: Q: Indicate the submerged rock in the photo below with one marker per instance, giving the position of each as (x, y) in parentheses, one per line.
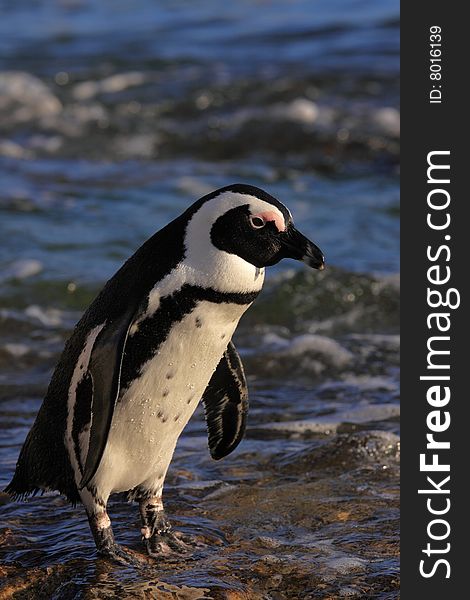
(345, 452)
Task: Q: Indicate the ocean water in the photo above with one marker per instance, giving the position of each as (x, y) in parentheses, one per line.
(114, 117)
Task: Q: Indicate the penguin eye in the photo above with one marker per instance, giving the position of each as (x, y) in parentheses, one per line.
(257, 222)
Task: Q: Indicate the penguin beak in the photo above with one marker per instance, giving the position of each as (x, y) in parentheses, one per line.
(295, 245)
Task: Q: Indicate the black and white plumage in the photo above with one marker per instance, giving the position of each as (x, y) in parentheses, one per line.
(154, 342)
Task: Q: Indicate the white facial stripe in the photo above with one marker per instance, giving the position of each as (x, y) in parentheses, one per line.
(204, 264)
(209, 265)
(202, 221)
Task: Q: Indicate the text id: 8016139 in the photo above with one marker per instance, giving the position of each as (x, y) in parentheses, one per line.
(435, 64)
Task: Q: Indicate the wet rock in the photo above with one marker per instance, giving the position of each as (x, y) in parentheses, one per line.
(39, 582)
(350, 592)
(346, 451)
(344, 565)
(268, 542)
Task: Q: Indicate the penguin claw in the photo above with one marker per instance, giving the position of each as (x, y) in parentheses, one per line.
(177, 542)
(168, 543)
(120, 555)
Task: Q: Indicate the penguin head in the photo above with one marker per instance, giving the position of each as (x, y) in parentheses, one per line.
(249, 223)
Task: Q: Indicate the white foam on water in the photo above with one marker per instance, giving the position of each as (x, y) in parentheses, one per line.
(326, 347)
(108, 85)
(387, 119)
(26, 96)
(21, 269)
(366, 382)
(300, 110)
(320, 344)
(330, 423)
(50, 317)
(16, 350)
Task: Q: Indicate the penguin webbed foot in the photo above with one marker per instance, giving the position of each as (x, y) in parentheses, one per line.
(106, 545)
(170, 542)
(119, 554)
(162, 540)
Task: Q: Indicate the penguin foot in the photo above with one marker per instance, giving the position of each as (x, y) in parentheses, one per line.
(106, 544)
(166, 544)
(178, 541)
(165, 541)
(157, 533)
(121, 555)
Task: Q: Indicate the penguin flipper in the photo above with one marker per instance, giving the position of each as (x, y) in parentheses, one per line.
(105, 370)
(226, 404)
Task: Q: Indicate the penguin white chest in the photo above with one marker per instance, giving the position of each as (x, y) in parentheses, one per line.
(157, 405)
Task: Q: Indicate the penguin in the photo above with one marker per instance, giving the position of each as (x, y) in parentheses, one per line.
(153, 343)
